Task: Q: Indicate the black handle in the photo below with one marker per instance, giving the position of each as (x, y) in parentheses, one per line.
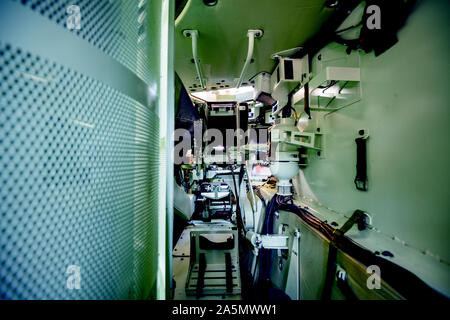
(361, 164)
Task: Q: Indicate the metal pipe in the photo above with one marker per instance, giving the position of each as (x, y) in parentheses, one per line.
(252, 195)
(251, 34)
(193, 34)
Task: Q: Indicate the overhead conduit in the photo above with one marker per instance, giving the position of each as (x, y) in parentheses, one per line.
(251, 34)
(193, 34)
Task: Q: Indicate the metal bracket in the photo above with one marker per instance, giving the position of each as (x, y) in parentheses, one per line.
(330, 73)
(311, 140)
(341, 273)
(285, 53)
(267, 241)
(274, 241)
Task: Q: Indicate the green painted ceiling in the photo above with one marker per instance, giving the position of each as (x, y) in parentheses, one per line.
(223, 42)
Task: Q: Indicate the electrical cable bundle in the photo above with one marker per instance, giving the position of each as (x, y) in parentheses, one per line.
(404, 281)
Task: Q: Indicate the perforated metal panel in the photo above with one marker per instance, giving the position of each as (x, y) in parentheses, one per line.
(79, 163)
(118, 27)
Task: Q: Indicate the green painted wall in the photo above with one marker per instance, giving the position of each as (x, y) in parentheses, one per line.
(83, 116)
(405, 107)
(223, 41)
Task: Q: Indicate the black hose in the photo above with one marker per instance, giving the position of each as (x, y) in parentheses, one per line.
(240, 221)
